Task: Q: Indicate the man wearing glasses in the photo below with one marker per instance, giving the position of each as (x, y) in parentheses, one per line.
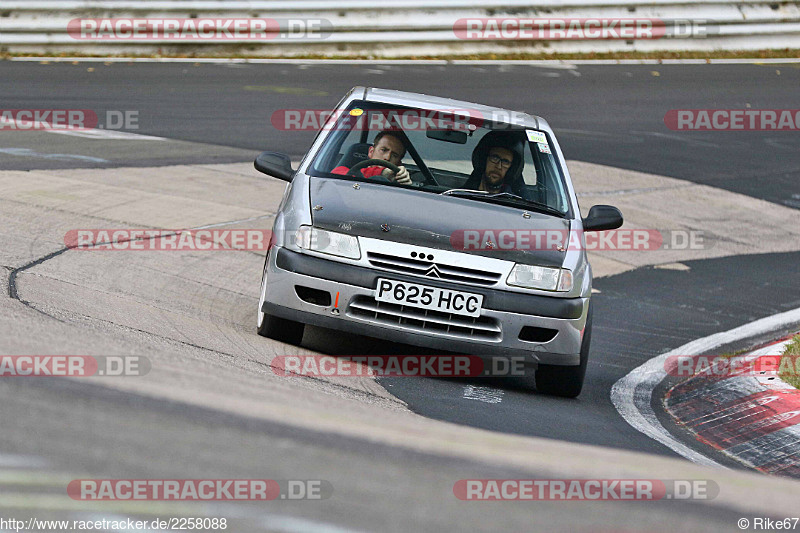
(497, 165)
(497, 162)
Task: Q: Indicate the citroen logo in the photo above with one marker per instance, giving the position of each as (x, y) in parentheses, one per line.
(433, 272)
(385, 227)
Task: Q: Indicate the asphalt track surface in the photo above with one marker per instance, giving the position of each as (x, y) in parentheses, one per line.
(611, 115)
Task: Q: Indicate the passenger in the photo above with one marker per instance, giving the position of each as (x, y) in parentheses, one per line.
(497, 162)
(387, 146)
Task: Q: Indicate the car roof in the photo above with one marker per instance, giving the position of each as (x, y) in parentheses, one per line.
(424, 101)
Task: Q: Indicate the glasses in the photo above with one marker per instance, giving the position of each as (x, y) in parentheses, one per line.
(497, 160)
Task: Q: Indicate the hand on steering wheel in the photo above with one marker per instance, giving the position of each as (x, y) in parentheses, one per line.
(371, 163)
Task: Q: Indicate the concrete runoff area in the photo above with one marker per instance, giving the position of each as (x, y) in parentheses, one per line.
(192, 313)
(722, 222)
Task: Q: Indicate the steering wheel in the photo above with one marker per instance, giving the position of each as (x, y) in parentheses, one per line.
(371, 163)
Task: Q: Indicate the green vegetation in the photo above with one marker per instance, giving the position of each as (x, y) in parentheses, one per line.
(789, 363)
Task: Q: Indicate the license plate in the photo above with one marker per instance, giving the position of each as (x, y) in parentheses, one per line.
(433, 298)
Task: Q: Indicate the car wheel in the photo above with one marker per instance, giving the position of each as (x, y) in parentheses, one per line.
(566, 381)
(273, 327)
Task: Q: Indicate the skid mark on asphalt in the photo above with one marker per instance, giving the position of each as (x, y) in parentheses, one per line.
(483, 394)
(794, 201)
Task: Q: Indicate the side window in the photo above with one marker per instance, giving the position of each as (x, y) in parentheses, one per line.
(547, 187)
(351, 150)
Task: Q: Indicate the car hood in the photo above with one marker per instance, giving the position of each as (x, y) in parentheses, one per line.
(431, 220)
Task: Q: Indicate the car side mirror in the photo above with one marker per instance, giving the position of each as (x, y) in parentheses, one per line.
(275, 164)
(602, 217)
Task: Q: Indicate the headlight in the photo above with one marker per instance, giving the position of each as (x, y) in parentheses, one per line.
(327, 242)
(538, 277)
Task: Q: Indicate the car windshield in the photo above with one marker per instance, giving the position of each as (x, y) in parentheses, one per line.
(444, 152)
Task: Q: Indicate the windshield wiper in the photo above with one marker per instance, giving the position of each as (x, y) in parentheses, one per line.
(503, 196)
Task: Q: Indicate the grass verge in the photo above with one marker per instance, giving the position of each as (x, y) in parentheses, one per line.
(789, 361)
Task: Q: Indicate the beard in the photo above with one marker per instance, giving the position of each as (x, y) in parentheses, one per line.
(493, 181)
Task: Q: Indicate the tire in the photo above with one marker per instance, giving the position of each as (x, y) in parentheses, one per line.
(566, 381)
(273, 327)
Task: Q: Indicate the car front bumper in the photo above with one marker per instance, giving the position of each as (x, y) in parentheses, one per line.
(352, 308)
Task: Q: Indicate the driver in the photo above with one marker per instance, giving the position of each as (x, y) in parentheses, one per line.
(387, 146)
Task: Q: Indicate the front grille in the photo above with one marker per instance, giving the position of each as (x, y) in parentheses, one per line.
(424, 320)
(431, 269)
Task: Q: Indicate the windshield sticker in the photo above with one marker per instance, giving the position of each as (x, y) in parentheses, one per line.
(356, 112)
(544, 148)
(536, 136)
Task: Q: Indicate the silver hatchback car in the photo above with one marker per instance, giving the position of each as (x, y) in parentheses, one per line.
(437, 223)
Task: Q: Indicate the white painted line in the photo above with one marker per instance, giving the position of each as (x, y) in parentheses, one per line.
(483, 394)
(770, 379)
(775, 348)
(219, 224)
(291, 524)
(21, 461)
(545, 63)
(134, 59)
(631, 395)
(221, 60)
(89, 133)
(672, 266)
(772, 61)
(27, 152)
(107, 135)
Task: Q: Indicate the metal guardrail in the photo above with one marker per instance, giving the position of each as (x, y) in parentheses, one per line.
(321, 5)
(387, 28)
